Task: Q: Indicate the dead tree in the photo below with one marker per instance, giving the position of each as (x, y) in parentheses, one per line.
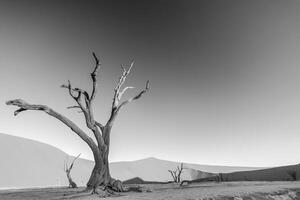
(68, 169)
(176, 174)
(100, 180)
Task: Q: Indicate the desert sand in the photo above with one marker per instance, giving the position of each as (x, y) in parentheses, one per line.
(204, 191)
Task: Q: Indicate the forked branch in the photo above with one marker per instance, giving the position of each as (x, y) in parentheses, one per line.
(122, 79)
(116, 106)
(84, 102)
(139, 95)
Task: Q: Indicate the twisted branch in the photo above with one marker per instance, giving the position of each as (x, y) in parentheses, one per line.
(24, 106)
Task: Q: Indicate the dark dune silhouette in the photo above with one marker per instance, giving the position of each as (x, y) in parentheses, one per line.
(283, 173)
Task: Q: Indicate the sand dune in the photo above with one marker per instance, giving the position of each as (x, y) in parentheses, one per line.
(28, 163)
(284, 173)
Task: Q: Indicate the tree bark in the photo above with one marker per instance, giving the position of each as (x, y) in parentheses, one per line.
(100, 176)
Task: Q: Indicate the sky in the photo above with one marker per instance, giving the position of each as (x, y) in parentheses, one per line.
(224, 76)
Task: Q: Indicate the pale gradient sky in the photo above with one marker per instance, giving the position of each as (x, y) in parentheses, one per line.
(225, 76)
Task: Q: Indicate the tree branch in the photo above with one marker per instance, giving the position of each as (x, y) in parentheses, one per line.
(173, 175)
(123, 91)
(69, 107)
(136, 97)
(71, 166)
(94, 76)
(99, 125)
(87, 110)
(71, 90)
(78, 97)
(118, 94)
(122, 80)
(23, 106)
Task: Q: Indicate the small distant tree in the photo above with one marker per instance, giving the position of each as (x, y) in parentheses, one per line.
(68, 169)
(176, 174)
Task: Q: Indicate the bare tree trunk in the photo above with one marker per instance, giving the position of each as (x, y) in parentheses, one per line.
(179, 172)
(68, 169)
(72, 184)
(100, 177)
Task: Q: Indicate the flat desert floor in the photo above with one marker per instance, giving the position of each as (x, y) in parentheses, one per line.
(202, 191)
